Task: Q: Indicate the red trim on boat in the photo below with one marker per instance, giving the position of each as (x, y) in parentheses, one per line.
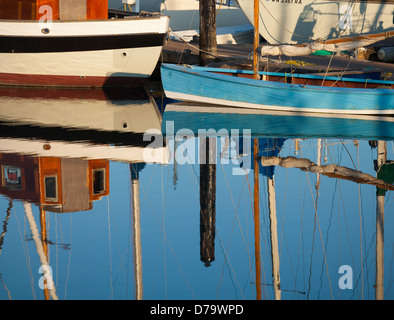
(68, 81)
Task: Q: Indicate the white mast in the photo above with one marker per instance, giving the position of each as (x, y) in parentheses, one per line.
(274, 237)
(381, 159)
(40, 250)
(136, 232)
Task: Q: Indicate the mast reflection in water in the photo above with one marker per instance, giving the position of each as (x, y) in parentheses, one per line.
(115, 213)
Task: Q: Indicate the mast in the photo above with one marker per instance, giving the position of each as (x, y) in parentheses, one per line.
(257, 219)
(40, 250)
(274, 237)
(256, 40)
(136, 226)
(43, 225)
(381, 159)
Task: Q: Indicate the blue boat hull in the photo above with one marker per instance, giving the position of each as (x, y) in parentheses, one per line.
(195, 85)
(200, 118)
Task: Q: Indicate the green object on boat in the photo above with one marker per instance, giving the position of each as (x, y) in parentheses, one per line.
(321, 53)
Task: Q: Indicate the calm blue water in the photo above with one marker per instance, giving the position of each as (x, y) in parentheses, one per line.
(195, 237)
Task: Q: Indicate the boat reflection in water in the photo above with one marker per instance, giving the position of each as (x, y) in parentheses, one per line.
(265, 126)
(55, 151)
(184, 190)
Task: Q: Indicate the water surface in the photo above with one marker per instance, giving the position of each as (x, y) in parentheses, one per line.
(114, 195)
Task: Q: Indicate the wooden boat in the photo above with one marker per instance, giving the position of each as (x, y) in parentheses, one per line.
(228, 87)
(300, 21)
(73, 43)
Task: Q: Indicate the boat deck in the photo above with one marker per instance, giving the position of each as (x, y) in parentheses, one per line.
(240, 56)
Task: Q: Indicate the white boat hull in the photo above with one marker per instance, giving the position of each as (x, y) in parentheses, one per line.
(301, 21)
(85, 54)
(185, 14)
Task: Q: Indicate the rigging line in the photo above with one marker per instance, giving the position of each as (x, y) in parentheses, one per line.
(281, 25)
(321, 240)
(365, 259)
(173, 252)
(346, 225)
(243, 192)
(194, 175)
(301, 246)
(328, 67)
(283, 235)
(320, 233)
(327, 233)
(350, 156)
(353, 3)
(391, 269)
(69, 261)
(164, 234)
(342, 73)
(27, 255)
(194, 47)
(287, 290)
(236, 212)
(110, 250)
(232, 232)
(5, 287)
(179, 265)
(230, 269)
(361, 220)
(316, 219)
(310, 266)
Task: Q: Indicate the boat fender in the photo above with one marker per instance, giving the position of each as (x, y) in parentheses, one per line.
(386, 54)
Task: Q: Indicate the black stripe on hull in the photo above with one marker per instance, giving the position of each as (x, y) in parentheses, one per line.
(25, 44)
(59, 134)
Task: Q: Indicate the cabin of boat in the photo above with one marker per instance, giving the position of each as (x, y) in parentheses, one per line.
(65, 10)
(57, 184)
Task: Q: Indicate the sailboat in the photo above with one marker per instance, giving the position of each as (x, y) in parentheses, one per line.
(300, 21)
(234, 88)
(227, 88)
(75, 44)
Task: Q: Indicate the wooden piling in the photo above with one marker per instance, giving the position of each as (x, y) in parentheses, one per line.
(208, 43)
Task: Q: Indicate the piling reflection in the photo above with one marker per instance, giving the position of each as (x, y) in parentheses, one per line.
(200, 118)
(246, 168)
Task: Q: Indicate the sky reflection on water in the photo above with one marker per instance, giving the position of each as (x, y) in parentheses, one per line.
(196, 237)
